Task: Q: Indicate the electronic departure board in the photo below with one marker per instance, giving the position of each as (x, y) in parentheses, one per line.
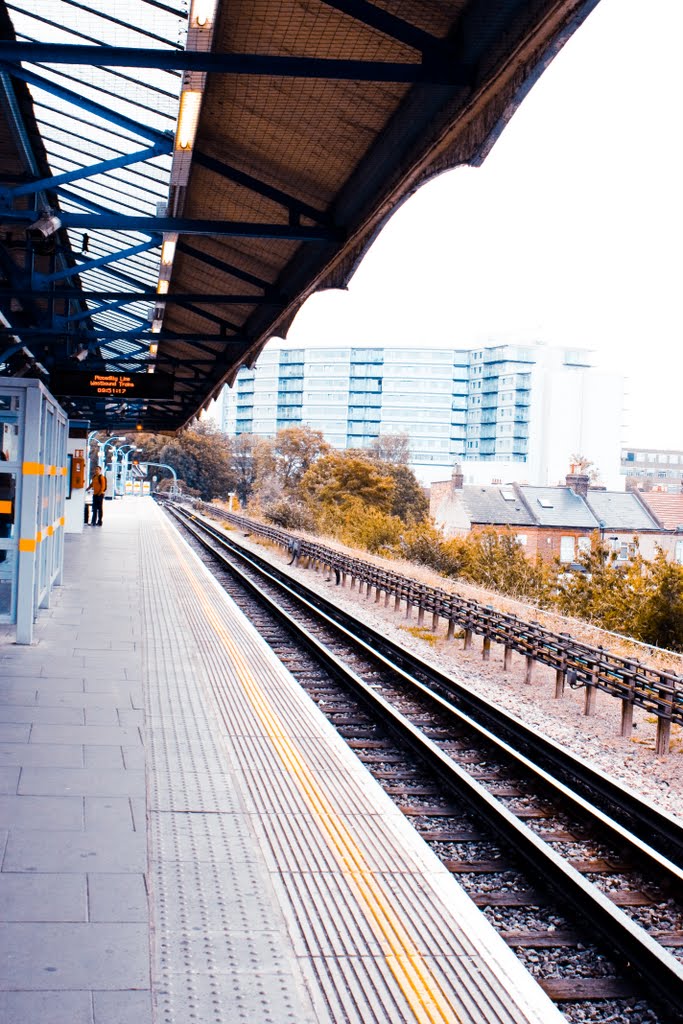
(111, 385)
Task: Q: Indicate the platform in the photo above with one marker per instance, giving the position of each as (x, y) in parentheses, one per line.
(186, 839)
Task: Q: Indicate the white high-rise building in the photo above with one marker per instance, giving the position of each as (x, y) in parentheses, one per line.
(504, 412)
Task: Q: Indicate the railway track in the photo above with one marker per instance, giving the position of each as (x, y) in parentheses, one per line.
(581, 878)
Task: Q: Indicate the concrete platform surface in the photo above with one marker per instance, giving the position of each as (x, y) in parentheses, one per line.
(186, 839)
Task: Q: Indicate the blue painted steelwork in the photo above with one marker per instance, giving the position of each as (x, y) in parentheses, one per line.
(88, 172)
(82, 102)
(186, 225)
(104, 307)
(102, 261)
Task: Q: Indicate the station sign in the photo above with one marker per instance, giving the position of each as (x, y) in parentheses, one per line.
(111, 385)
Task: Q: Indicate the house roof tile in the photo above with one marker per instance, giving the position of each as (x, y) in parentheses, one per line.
(559, 506)
(620, 510)
(667, 508)
(486, 505)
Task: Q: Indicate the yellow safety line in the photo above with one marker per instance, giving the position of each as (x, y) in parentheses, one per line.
(6, 506)
(421, 988)
(33, 468)
(27, 544)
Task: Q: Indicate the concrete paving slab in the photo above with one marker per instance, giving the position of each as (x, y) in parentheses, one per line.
(81, 782)
(30, 688)
(46, 813)
(134, 757)
(18, 697)
(122, 1007)
(43, 897)
(108, 813)
(132, 718)
(48, 1007)
(117, 897)
(122, 699)
(9, 780)
(32, 714)
(90, 734)
(74, 956)
(14, 733)
(40, 755)
(103, 758)
(76, 852)
(102, 716)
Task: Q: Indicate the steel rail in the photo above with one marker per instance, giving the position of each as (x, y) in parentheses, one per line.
(655, 829)
(661, 971)
(577, 663)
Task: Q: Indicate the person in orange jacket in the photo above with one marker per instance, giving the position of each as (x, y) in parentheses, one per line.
(98, 486)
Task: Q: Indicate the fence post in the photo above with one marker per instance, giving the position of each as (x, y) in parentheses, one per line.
(561, 670)
(486, 649)
(468, 640)
(590, 702)
(507, 659)
(450, 630)
(663, 738)
(529, 671)
(627, 701)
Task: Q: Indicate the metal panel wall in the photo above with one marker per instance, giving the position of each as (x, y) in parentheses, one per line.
(32, 495)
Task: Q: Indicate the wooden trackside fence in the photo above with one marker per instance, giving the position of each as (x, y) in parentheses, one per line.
(575, 664)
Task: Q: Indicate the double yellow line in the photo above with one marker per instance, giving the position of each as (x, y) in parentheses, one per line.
(423, 991)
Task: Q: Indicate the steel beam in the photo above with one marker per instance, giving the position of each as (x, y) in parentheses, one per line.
(441, 71)
(87, 172)
(219, 264)
(147, 296)
(185, 226)
(390, 25)
(106, 113)
(113, 257)
(260, 187)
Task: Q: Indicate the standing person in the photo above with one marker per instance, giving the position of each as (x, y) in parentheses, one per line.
(98, 486)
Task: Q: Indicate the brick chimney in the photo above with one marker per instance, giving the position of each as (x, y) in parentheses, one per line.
(578, 482)
(457, 477)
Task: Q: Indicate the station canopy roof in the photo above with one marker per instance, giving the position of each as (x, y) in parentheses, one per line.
(174, 184)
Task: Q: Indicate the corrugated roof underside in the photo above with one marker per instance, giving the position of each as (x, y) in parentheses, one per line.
(349, 150)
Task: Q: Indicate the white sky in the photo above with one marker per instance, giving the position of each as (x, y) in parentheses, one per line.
(570, 233)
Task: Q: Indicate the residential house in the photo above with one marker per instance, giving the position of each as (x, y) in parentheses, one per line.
(667, 510)
(553, 522)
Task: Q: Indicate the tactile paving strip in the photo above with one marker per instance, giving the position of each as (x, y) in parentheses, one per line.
(217, 951)
(377, 926)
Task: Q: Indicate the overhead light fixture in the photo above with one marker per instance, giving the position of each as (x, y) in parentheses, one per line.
(202, 13)
(156, 326)
(188, 118)
(150, 369)
(153, 348)
(168, 248)
(162, 287)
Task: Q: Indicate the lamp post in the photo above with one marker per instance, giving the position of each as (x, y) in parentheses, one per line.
(123, 472)
(164, 465)
(102, 445)
(101, 459)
